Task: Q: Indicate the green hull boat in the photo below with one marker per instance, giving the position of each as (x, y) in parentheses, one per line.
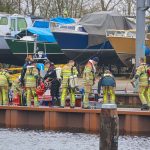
(20, 49)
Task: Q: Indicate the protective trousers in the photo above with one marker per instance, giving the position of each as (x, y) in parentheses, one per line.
(4, 96)
(64, 94)
(108, 90)
(31, 92)
(87, 92)
(144, 94)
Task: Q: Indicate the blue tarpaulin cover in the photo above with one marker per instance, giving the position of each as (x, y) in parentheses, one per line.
(41, 28)
(62, 20)
(41, 24)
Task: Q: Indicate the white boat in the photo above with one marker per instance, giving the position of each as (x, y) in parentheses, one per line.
(10, 25)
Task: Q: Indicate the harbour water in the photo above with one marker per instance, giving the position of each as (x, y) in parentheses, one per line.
(16, 139)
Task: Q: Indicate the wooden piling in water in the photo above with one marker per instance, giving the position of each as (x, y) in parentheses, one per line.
(109, 127)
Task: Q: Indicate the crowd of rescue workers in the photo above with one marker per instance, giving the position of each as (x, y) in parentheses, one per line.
(33, 83)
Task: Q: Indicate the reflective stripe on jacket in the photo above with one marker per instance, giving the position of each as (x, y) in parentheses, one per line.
(66, 72)
(30, 77)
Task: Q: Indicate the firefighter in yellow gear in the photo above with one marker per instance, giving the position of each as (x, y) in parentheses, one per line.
(30, 83)
(5, 83)
(141, 73)
(67, 71)
(108, 83)
(89, 80)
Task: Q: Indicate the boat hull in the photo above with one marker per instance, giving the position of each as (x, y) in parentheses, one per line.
(125, 45)
(75, 46)
(20, 49)
(125, 48)
(106, 56)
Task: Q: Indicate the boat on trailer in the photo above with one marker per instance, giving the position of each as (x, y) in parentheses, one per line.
(87, 38)
(35, 40)
(124, 43)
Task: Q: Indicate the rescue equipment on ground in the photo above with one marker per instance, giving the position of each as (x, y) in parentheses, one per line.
(17, 100)
(40, 90)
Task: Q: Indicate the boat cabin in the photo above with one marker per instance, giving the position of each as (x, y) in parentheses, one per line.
(13, 24)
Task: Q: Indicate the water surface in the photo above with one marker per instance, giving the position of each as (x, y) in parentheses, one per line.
(15, 139)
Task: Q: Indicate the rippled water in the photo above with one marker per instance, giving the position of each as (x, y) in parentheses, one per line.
(13, 139)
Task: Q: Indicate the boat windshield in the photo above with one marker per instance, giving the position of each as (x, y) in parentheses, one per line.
(72, 27)
(121, 33)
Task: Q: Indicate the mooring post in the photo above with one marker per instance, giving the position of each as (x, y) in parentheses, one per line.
(109, 127)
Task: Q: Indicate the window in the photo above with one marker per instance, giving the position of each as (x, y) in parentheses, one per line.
(3, 21)
(21, 24)
(13, 25)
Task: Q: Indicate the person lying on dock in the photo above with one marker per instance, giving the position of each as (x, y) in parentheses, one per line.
(108, 84)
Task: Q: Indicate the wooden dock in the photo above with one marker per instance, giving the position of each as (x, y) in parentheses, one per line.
(132, 121)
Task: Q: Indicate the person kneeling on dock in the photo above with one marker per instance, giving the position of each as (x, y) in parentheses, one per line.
(69, 73)
(30, 83)
(142, 75)
(108, 83)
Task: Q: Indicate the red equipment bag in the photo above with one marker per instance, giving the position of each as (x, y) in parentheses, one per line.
(17, 100)
(40, 90)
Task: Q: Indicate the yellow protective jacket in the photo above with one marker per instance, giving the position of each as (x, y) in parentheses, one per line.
(141, 73)
(31, 76)
(4, 78)
(89, 74)
(66, 72)
(16, 87)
